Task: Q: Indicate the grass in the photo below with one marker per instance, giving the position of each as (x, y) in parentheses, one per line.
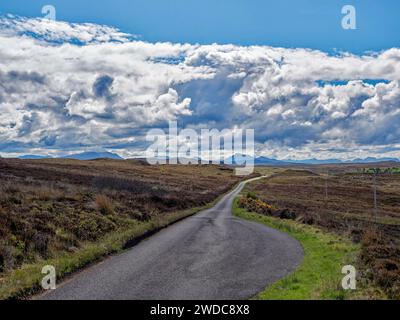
(319, 276)
(25, 281)
(104, 205)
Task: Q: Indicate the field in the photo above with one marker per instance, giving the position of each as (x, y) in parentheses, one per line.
(341, 199)
(69, 213)
(53, 208)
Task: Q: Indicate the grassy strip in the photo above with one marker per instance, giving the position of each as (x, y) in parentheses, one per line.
(319, 276)
(25, 281)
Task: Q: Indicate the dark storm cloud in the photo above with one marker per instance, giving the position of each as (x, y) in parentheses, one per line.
(102, 87)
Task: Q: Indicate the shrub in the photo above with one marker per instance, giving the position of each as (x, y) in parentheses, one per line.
(371, 237)
(8, 258)
(40, 242)
(381, 261)
(121, 184)
(43, 195)
(104, 205)
(256, 205)
(14, 200)
(91, 226)
(9, 187)
(251, 195)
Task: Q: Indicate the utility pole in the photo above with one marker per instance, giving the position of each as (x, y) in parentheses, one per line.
(326, 187)
(375, 195)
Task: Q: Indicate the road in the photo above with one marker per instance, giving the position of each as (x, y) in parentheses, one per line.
(211, 255)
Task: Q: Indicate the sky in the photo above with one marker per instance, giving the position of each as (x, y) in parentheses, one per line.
(105, 72)
(313, 24)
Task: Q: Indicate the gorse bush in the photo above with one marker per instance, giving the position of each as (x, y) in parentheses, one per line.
(251, 195)
(253, 204)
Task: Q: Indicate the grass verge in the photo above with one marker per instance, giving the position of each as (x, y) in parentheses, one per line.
(319, 276)
(25, 281)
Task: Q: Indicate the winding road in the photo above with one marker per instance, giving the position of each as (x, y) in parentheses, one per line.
(211, 255)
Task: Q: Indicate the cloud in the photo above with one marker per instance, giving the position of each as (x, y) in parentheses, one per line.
(82, 86)
(60, 32)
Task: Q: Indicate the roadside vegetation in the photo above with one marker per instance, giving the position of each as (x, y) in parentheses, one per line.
(318, 201)
(392, 170)
(319, 275)
(69, 213)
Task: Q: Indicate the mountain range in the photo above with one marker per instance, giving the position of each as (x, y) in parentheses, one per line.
(234, 160)
(78, 156)
(238, 159)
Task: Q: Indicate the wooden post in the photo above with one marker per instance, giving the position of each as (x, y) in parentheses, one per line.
(375, 196)
(326, 188)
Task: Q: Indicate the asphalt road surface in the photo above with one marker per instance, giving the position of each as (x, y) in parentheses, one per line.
(211, 255)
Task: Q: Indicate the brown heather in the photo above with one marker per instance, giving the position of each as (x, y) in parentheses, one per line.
(50, 207)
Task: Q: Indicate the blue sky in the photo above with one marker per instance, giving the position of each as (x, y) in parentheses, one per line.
(313, 24)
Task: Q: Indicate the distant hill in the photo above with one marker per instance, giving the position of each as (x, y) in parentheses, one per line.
(239, 159)
(33, 157)
(93, 156)
(316, 161)
(264, 161)
(77, 156)
(373, 160)
(337, 161)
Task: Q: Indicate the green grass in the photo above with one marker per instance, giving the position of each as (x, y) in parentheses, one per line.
(384, 170)
(26, 280)
(319, 276)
